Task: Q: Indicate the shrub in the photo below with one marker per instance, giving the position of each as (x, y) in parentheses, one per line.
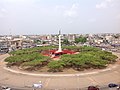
(89, 57)
(56, 66)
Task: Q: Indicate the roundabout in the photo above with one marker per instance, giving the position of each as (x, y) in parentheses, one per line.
(77, 81)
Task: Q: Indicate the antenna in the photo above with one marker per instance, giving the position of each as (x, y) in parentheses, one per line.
(10, 31)
(59, 31)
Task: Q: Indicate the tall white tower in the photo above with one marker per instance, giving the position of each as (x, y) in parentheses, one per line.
(59, 49)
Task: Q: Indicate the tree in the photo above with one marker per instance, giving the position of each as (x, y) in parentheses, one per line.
(44, 42)
(66, 42)
(116, 36)
(80, 39)
(37, 41)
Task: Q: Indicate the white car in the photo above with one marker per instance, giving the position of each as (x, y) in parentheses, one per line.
(37, 85)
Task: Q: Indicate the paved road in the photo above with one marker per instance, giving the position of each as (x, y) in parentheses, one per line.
(71, 82)
(102, 88)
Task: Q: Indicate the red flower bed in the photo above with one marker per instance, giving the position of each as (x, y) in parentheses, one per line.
(56, 53)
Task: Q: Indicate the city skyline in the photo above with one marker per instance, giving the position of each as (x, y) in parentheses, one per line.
(20, 17)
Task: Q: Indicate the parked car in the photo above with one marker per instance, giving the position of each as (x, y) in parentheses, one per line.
(93, 88)
(6, 88)
(118, 87)
(111, 85)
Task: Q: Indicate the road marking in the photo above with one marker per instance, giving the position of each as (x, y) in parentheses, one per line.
(3, 57)
(20, 72)
(47, 82)
(93, 81)
(115, 66)
(116, 72)
(108, 69)
(78, 82)
(91, 73)
(4, 79)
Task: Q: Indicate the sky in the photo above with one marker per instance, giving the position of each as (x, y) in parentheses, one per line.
(21, 17)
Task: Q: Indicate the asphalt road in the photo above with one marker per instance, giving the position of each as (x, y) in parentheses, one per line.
(102, 88)
(20, 81)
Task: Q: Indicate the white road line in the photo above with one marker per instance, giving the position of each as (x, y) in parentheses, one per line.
(19, 72)
(116, 72)
(78, 82)
(115, 66)
(92, 80)
(91, 73)
(106, 69)
(56, 75)
(47, 82)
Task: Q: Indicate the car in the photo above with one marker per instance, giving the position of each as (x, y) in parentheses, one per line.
(93, 88)
(6, 88)
(111, 85)
(118, 87)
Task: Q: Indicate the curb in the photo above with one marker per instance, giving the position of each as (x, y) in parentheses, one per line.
(59, 75)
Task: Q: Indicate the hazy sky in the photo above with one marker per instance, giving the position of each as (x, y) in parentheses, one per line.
(48, 16)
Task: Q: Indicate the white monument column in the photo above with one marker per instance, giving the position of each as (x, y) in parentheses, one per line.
(59, 49)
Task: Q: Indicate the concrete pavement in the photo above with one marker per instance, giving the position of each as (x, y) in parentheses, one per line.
(60, 81)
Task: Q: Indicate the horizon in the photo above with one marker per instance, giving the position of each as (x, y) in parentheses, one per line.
(55, 34)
